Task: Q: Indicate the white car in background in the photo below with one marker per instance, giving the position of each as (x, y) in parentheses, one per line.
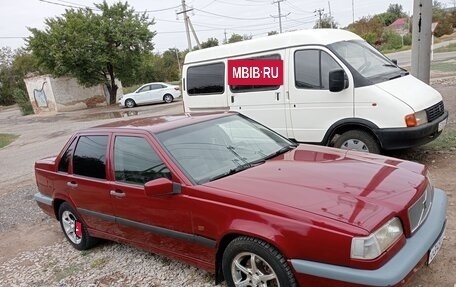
(150, 93)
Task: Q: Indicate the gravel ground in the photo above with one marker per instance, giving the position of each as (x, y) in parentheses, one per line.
(107, 264)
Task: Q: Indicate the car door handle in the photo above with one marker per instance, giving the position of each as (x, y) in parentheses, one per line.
(117, 193)
(72, 184)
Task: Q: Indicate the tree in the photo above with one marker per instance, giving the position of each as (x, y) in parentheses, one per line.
(94, 48)
(443, 17)
(326, 22)
(270, 33)
(370, 28)
(237, 38)
(210, 42)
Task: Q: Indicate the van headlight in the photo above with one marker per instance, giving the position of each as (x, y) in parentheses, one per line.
(374, 245)
(416, 119)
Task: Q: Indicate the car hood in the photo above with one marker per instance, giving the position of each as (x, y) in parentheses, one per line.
(355, 188)
(412, 91)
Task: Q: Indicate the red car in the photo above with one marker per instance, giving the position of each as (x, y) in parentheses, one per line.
(231, 196)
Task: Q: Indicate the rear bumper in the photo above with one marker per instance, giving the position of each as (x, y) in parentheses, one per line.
(396, 269)
(402, 138)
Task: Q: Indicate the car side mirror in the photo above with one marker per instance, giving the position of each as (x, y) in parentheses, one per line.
(337, 80)
(161, 186)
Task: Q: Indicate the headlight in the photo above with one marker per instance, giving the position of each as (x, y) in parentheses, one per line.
(374, 245)
(416, 119)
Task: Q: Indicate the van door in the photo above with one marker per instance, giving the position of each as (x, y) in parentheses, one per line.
(313, 108)
(265, 104)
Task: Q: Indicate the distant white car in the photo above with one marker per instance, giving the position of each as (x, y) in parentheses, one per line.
(150, 93)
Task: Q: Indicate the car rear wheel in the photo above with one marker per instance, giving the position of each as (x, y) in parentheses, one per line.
(129, 103)
(74, 229)
(168, 98)
(357, 140)
(252, 262)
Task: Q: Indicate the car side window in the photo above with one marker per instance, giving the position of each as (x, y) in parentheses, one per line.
(144, 89)
(155, 87)
(66, 158)
(136, 162)
(90, 156)
(312, 69)
(206, 79)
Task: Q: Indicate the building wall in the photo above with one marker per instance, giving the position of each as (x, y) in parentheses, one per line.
(49, 94)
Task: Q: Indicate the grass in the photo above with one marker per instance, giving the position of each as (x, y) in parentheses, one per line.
(6, 139)
(403, 48)
(446, 141)
(449, 48)
(444, 66)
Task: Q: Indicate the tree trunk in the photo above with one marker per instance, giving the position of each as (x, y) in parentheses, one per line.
(111, 85)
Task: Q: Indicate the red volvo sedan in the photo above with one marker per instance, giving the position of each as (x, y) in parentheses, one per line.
(231, 196)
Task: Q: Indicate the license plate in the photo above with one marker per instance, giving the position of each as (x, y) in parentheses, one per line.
(436, 247)
(441, 125)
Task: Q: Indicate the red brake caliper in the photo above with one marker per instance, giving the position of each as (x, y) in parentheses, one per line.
(78, 229)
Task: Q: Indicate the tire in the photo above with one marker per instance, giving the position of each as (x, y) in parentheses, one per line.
(357, 140)
(129, 103)
(270, 267)
(68, 218)
(168, 98)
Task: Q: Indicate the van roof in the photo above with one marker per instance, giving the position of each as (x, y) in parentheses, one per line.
(269, 43)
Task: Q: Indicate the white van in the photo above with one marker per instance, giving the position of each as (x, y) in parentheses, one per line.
(337, 90)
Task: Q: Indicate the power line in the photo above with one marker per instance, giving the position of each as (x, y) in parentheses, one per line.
(230, 17)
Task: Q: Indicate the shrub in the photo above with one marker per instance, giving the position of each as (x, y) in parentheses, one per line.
(23, 102)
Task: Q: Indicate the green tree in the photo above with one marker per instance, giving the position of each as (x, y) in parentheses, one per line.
(326, 22)
(95, 48)
(443, 17)
(237, 38)
(370, 28)
(210, 42)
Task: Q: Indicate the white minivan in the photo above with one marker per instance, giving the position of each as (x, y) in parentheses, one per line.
(337, 90)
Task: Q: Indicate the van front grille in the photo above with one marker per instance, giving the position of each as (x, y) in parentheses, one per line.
(435, 111)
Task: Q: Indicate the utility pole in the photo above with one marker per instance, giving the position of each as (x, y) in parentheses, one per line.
(421, 39)
(330, 16)
(320, 13)
(280, 14)
(353, 11)
(224, 32)
(184, 11)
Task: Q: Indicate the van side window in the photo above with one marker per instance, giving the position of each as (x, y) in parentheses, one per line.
(253, 88)
(312, 69)
(206, 79)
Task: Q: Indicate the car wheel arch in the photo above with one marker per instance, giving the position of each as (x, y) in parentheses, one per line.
(345, 125)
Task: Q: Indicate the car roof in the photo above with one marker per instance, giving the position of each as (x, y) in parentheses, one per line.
(157, 124)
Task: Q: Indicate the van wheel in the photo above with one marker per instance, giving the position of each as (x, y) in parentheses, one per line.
(357, 140)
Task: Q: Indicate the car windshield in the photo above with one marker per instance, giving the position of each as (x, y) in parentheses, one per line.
(213, 149)
(367, 61)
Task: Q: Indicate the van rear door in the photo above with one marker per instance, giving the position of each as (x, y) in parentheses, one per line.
(265, 104)
(313, 108)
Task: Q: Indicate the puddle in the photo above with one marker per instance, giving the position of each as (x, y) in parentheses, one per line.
(109, 115)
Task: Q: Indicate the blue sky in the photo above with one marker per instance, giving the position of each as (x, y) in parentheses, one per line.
(210, 18)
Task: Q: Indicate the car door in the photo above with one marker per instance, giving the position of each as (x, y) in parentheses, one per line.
(265, 104)
(159, 222)
(86, 183)
(143, 95)
(157, 92)
(313, 108)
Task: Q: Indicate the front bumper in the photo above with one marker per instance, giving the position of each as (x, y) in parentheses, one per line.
(402, 138)
(396, 269)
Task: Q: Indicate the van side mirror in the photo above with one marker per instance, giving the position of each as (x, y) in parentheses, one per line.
(161, 186)
(336, 80)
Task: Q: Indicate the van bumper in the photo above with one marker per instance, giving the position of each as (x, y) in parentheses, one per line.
(402, 138)
(399, 267)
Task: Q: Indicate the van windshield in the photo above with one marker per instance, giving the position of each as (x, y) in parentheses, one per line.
(367, 61)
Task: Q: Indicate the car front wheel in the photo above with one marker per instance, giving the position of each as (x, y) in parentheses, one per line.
(74, 229)
(168, 98)
(252, 262)
(130, 103)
